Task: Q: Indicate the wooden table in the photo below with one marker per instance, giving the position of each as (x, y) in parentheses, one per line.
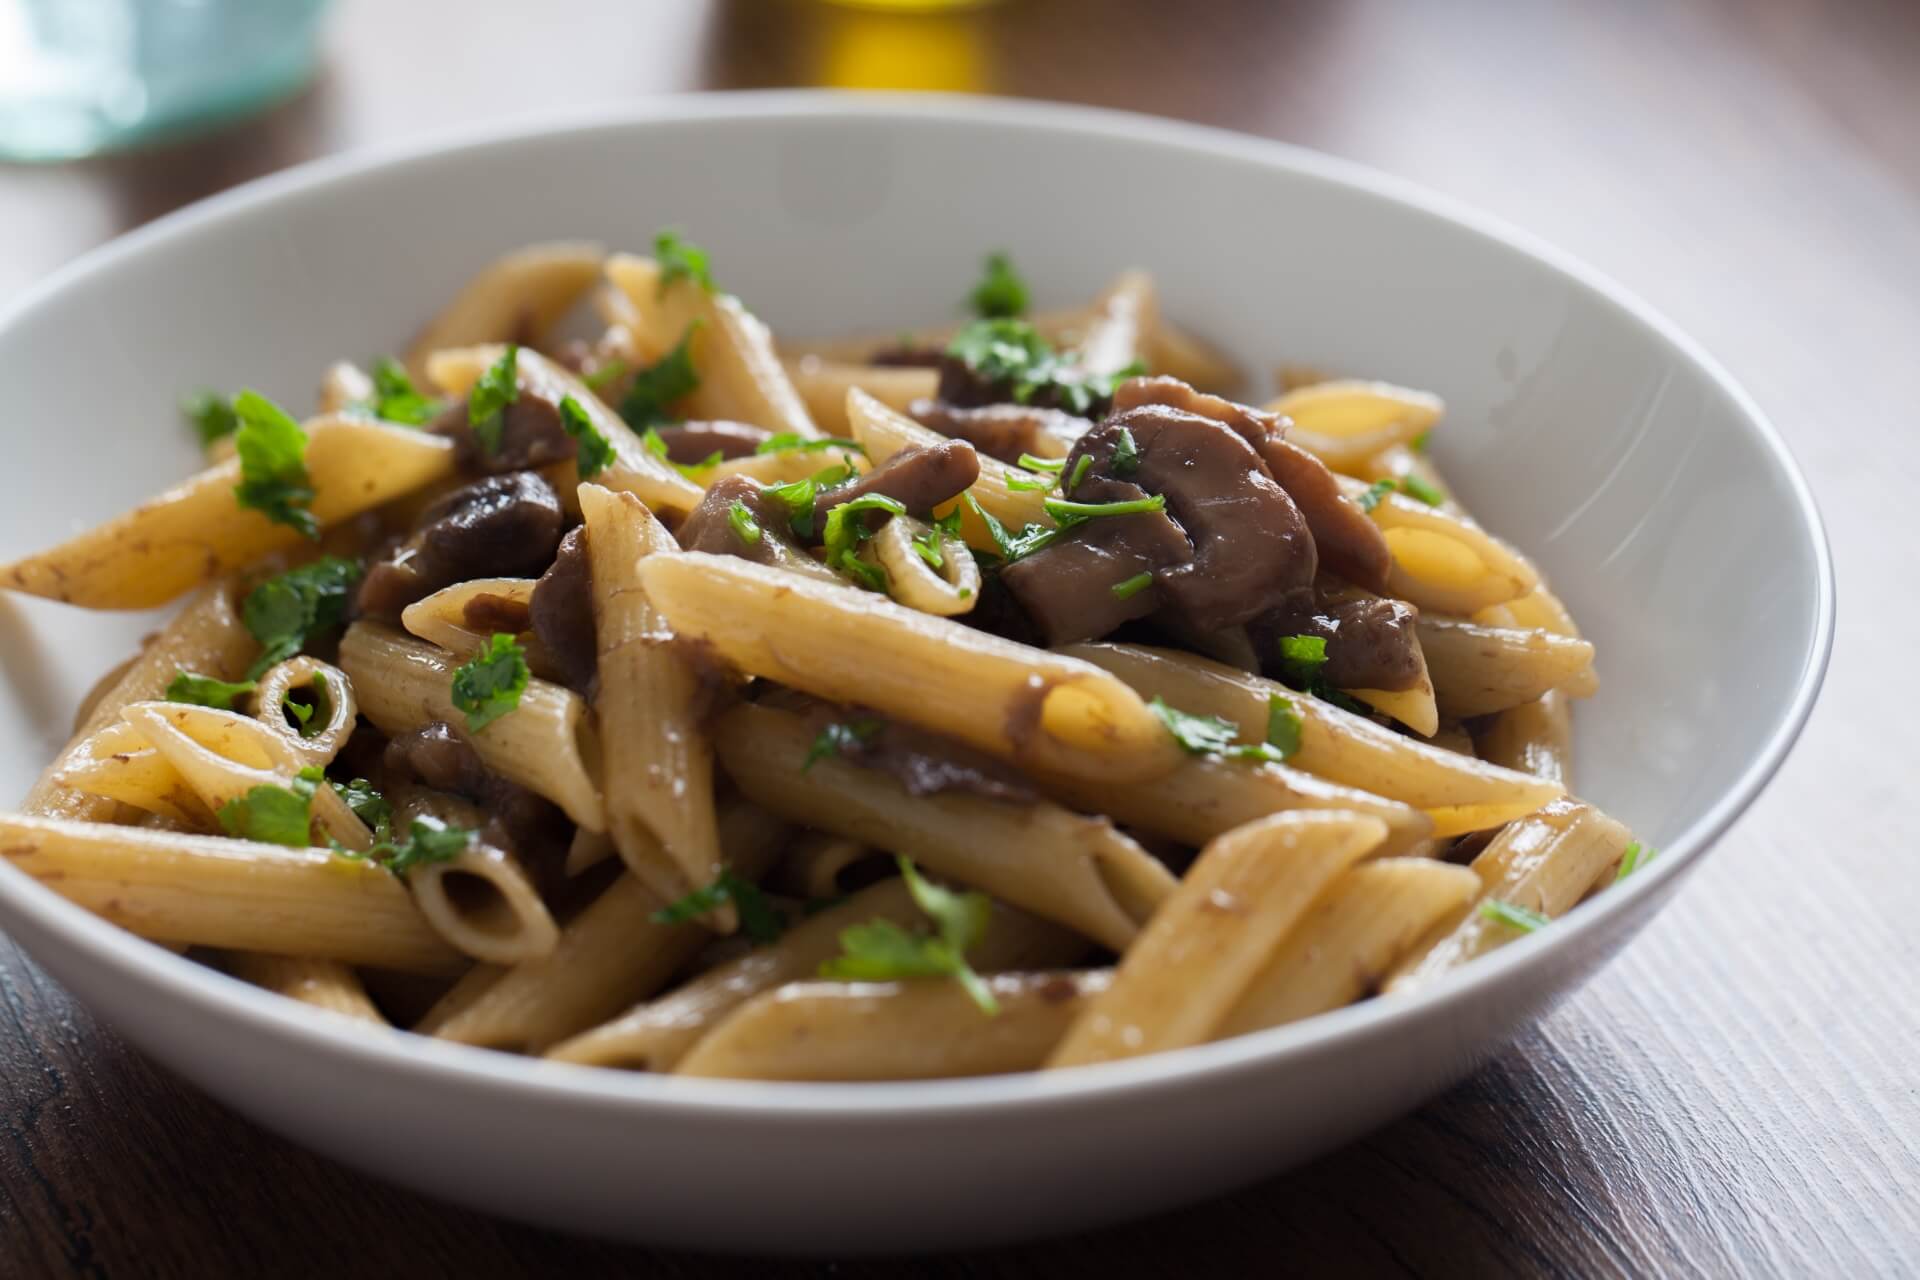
(1739, 1092)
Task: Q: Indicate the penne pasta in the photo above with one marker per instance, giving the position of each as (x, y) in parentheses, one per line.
(1479, 670)
(951, 589)
(1368, 918)
(481, 900)
(1345, 422)
(838, 643)
(1535, 737)
(548, 744)
(823, 386)
(1195, 960)
(1415, 708)
(1123, 322)
(344, 385)
(196, 531)
(1076, 870)
(234, 894)
(1445, 563)
(463, 617)
(518, 297)
(324, 984)
(894, 1030)
(1541, 609)
(782, 466)
(819, 865)
(331, 721)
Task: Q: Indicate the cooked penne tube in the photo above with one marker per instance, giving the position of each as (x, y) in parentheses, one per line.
(1208, 797)
(741, 378)
(1196, 958)
(1077, 870)
(884, 433)
(823, 386)
(836, 642)
(635, 468)
(1542, 609)
(948, 590)
(197, 531)
(1122, 324)
(1368, 918)
(1401, 463)
(1415, 708)
(116, 764)
(324, 984)
(656, 1035)
(481, 900)
(516, 298)
(1479, 670)
(610, 955)
(1345, 422)
(782, 466)
(1453, 736)
(344, 385)
(894, 1030)
(650, 702)
(1334, 744)
(1543, 863)
(1535, 737)
(463, 617)
(234, 894)
(548, 744)
(587, 850)
(334, 710)
(818, 865)
(1445, 563)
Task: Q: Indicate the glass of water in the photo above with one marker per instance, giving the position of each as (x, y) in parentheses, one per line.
(83, 76)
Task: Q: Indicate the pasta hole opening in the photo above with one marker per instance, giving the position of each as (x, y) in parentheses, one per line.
(480, 904)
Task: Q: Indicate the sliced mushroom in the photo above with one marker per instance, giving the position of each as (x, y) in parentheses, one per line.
(695, 442)
(711, 527)
(1004, 431)
(1076, 588)
(561, 612)
(531, 435)
(1371, 640)
(502, 526)
(918, 478)
(520, 821)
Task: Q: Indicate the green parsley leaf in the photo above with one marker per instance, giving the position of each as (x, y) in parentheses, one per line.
(793, 441)
(1080, 469)
(1414, 487)
(1001, 292)
(657, 387)
(610, 372)
(844, 534)
(1513, 915)
(797, 496)
(1421, 441)
(594, 454)
(1126, 455)
(285, 611)
(1054, 465)
(745, 527)
(1061, 509)
(760, 920)
(838, 737)
(1636, 856)
(428, 841)
(1376, 491)
(1283, 726)
(497, 388)
(313, 714)
(1132, 586)
(1016, 546)
(928, 547)
(211, 416)
(206, 691)
(1197, 735)
(1013, 352)
(680, 259)
(490, 685)
(273, 814)
(1301, 658)
(273, 468)
(881, 951)
(1030, 484)
(368, 805)
(395, 399)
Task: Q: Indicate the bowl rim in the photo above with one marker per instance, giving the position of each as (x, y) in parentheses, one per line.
(540, 1082)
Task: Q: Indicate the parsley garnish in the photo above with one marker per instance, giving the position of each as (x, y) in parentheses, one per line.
(211, 414)
(844, 534)
(1080, 469)
(1283, 726)
(368, 805)
(1197, 735)
(790, 441)
(1301, 658)
(206, 691)
(610, 372)
(594, 454)
(497, 388)
(660, 384)
(274, 814)
(1414, 487)
(1011, 351)
(284, 611)
(1016, 546)
(311, 716)
(1029, 484)
(1513, 916)
(797, 496)
(680, 259)
(1421, 441)
(396, 400)
(1636, 857)
(490, 685)
(838, 737)
(745, 527)
(759, 918)
(1375, 492)
(1001, 292)
(1054, 465)
(1061, 509)
(881, 951)
(273, 468)
(1132, 586)
(927, 547)
(429, 840)
(1126, 455)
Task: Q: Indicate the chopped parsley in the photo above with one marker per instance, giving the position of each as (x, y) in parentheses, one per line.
(284, 612)
(1414, 487)
(1062, 509)
(1283, 725)
(1513, 916)
(1133, 586)
(1421, 441)
(1080, 469)
(312, 715)
(273, 467)
(605, 375)
(1018, 483)
(1212, 736)
(745, 527)
(793, 441)
(368, 805)
(654, 389)
(1126, 455)
(1376, 491)
(838, 737)
(497, 388)
(274, 814)
(881, 951)
(429, 840)
(844, 534)
(594, 454)
(680, 259)
(211, 415)
(797, 497)
(1636, 857)
(1016, 546)
(490, 685)
(760, 920)
(1054, 465)
(206, 691)
(1004, 350)
(1301, 658)
(657, 446)
(395, 399)
(1001, 292)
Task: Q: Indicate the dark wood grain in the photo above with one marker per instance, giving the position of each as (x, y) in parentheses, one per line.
(1738, 1093)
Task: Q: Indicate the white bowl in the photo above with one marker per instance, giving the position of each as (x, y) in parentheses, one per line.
(1581, 426)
